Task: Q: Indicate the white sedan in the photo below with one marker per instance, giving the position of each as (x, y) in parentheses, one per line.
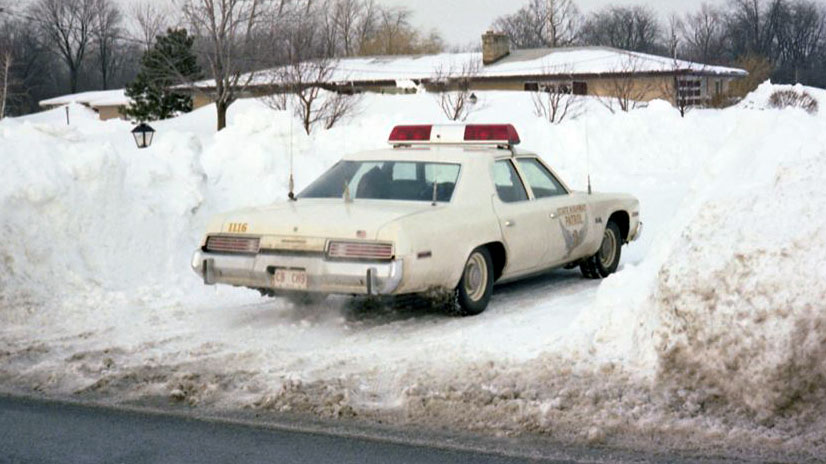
(448, 210)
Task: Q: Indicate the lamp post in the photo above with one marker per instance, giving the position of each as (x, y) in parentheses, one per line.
(143, 134)
(473, 99)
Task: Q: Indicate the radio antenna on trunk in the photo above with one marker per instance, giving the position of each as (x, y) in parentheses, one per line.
(587, 155)
(291, 195)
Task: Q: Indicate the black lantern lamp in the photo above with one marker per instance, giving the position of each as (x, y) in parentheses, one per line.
(473, 99)
(143, 134)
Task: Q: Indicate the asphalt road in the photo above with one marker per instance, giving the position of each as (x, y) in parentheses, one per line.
(33, 431)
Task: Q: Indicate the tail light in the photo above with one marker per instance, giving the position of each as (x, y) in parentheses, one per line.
(233, 244)
(360, 250)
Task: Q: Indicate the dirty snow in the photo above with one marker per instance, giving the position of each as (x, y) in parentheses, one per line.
(711, 336)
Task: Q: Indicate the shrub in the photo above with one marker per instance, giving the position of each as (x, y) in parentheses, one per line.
(793, 99)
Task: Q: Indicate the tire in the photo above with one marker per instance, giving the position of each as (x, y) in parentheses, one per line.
(472, 295)
(607, 259)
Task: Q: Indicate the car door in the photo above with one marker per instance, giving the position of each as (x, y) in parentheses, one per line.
(568, 216)
(523, 226)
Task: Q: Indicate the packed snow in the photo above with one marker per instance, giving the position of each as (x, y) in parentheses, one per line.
(710, 336)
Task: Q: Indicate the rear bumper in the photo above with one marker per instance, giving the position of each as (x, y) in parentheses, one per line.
(323, 276)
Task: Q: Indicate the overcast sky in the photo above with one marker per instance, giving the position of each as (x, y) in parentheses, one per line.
(462, 22)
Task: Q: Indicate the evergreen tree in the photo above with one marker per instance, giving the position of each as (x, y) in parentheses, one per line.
(170, 62)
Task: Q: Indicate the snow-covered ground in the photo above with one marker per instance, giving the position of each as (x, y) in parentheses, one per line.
(711, 336)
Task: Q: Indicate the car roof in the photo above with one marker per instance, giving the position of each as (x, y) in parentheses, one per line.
(437, 153)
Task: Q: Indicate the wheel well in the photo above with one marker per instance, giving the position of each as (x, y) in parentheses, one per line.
(623, 221)
(499, 257)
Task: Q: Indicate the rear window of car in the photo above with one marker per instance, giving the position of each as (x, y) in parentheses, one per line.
(542, 182)
(387, 180)
(509, 187)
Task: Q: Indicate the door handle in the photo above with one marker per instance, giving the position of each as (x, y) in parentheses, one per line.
(509, 223)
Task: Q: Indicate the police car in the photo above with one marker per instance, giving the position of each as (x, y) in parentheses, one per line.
(446, 209)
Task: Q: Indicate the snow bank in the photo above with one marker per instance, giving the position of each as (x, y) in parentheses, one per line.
(712, 330)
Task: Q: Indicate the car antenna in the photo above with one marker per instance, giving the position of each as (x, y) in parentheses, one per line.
(291, 195)
(587, 156)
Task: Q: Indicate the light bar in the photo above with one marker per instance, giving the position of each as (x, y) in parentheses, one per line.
(457, 134)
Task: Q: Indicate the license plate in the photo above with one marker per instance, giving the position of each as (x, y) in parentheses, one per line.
(293, 279)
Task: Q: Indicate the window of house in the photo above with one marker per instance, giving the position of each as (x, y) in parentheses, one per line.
(509, 187)
(690, 91)
(580, 88)
(532, 86)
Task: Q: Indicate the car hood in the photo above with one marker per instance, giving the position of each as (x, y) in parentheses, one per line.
(360, 219)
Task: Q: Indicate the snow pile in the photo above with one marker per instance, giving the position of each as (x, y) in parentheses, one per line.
(759, 99)
(81, 214)
(712, 329)
(728, 309)
(742, 296)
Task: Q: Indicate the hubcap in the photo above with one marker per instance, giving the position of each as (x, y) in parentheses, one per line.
(608, 249)
(476, 277)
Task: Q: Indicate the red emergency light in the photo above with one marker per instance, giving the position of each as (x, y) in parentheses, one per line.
(419, 133)
(492, 133)
(499, 134)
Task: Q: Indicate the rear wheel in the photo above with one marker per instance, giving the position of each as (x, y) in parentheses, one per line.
(472, 295)
(606, 260)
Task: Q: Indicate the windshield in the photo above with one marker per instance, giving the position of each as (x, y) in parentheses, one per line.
(386, 180)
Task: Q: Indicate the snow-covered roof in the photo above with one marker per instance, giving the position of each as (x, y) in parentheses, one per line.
(523, 63)
(92, 99)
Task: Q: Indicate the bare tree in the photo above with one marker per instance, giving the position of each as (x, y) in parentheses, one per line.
(800, 36)
(673, 41)
(393, 35)
(554, 101)
(228, 31)
(316, 99)
(354, 20)
(106, 31)
(704, 34)
(629, 28)
(68, 28)
(542, 23)
(366, 26)
(453, 86)
(151, 19)
(751, 27)
(5, 78)
(626, 90)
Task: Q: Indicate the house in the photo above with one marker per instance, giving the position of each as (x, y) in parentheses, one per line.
(595, 71)
(107, 103)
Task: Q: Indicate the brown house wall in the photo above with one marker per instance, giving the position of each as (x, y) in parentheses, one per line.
(109, 112)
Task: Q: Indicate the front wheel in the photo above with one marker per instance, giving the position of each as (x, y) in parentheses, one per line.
(472, 295)
(606, 260)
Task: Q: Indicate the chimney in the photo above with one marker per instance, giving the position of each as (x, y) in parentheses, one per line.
(495, 46)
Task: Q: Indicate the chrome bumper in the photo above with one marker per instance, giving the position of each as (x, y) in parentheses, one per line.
(256, 271)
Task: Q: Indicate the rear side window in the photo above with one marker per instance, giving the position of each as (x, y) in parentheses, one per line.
(509, 187)
(542, 182)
